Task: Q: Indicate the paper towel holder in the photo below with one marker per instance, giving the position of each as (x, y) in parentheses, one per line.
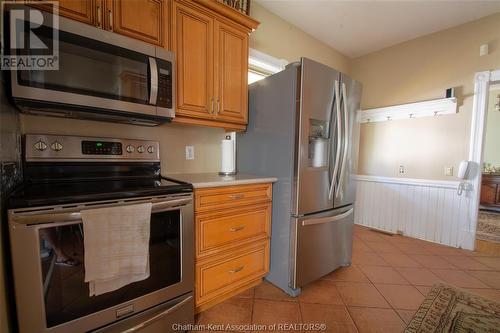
(231, 136)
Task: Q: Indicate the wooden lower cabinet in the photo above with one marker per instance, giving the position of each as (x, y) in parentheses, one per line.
(490, 190)
(219, 277)
(232, 241)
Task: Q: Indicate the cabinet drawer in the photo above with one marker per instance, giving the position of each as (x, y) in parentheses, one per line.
(219, 230)
(231, 196)
(216, 277)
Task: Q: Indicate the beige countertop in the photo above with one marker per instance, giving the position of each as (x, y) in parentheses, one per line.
(201, 180)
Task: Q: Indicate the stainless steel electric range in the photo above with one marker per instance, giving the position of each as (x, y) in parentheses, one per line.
(64, 175)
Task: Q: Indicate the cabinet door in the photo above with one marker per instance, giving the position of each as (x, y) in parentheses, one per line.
(193, 46)
(488, 193)
(140, 19)
(85, 11)
(231, 73)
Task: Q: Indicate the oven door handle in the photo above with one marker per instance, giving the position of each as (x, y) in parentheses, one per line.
(71, 216)
(158, 316)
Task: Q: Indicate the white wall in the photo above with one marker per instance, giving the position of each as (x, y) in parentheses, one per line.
(418, 70)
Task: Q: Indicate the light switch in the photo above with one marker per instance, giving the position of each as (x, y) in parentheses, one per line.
(448, 171)
(189, 152)
(402, 169)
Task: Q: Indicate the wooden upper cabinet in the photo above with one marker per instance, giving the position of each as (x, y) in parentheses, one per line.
(231, 73)
(85, 11)
(193, 45)
(211, 45)
(140, 19)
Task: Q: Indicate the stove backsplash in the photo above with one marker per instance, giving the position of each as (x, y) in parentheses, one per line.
(173, 139)
(10, 176)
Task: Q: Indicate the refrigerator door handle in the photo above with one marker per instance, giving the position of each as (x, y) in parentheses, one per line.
(328, 219)
(337, 143)
(346, 140)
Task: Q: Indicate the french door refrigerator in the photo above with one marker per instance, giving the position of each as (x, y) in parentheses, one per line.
(303, 130)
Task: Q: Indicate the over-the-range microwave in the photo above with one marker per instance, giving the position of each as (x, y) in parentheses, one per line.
(101, 75)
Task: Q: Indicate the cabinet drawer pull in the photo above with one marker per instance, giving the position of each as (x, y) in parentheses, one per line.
(237, 196)
(99, 17)
(212, 105)
(238, 228)
(236, 270)
(110, 16)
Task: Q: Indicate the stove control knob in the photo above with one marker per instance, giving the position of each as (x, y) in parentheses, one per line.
(56, 146)
(40, 145)
(130, 149)
(141, 149)
(151, 149)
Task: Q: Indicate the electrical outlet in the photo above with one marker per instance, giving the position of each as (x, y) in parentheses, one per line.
(189, 152)
(448, 171)
(402, 170)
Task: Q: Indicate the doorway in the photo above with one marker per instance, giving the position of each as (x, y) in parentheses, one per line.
(488, 220)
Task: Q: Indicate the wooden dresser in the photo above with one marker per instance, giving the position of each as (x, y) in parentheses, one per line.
(232, 230)
(490, 190)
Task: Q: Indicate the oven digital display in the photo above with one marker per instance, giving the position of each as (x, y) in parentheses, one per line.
(101, 148)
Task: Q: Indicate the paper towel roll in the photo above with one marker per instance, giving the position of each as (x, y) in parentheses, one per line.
(228, 164)
(320, 153)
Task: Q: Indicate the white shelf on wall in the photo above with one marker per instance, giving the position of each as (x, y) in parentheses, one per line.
(431, 108)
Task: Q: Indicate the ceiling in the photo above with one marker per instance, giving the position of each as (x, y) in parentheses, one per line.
(356, 28)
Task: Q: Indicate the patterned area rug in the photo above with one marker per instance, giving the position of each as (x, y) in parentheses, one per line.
(449, 309)
(488, 226)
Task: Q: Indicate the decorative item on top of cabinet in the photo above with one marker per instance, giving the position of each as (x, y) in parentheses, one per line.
(232, 233)
(145, 20)
(243, 6)
(211, 43)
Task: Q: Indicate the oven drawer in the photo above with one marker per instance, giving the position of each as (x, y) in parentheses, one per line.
(223, 274)
(161, 318)
(231, 196)
(229, 228)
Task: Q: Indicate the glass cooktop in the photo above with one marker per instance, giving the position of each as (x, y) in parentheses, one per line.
(64, 192)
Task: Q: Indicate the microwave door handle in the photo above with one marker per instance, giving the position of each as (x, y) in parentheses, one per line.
(337, 142)
(346, 139)
(153, 81)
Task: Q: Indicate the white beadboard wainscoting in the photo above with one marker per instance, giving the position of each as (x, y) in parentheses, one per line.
(425, 209)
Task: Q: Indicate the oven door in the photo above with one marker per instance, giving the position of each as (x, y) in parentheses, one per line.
(51, 297)
(97, 70)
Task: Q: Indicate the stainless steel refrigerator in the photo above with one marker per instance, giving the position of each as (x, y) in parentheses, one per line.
(303, 130)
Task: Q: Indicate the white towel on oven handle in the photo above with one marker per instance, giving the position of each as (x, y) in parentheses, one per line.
(116, 246)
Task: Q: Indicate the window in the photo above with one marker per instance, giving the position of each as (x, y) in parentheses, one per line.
(254, 76)
(261, 65)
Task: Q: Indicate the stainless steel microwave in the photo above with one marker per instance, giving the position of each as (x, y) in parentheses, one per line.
(101, 75)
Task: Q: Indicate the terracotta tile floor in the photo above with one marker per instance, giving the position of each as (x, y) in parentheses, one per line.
(386, 283)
